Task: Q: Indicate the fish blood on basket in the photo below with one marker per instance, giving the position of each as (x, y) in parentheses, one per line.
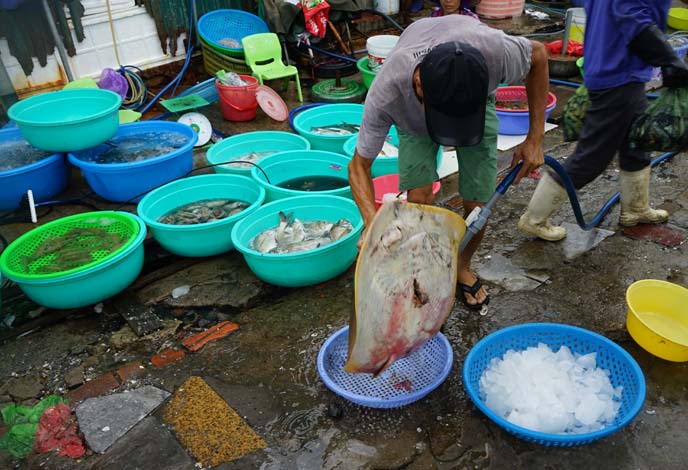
(204, 211)
(405, 283)
(336, 129)
(557, 393)
(293, 235)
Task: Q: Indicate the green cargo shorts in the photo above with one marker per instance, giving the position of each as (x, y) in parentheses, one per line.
(477, 164)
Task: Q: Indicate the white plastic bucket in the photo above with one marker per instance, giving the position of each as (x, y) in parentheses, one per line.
(379, 48)
(388, 7)
(500, 8)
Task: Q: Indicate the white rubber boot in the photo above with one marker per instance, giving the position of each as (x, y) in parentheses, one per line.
(635, 194)
(547, 198)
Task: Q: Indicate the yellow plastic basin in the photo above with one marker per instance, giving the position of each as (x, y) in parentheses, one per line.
(678, 18)
(657, 318)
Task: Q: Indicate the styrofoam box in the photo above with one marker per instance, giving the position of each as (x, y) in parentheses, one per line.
(137, 41)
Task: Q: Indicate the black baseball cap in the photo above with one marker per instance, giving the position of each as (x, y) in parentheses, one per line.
(454, 78)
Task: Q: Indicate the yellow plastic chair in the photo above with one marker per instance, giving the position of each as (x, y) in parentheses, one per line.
(263, 54)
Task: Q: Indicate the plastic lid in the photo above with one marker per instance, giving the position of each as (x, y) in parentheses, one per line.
(271, 103)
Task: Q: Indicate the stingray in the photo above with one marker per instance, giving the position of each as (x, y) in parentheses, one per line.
(405, 283)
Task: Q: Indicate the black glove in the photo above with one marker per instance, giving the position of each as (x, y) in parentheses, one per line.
(651, 46)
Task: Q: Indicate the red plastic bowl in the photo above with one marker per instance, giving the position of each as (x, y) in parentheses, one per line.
(514, 93)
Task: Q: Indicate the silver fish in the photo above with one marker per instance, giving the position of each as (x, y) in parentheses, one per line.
(265, 242)
(336, 129)
(340, 229)
(204, 211)
(289, 230)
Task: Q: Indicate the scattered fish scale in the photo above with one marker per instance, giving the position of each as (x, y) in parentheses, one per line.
(202, 212)
(292, 235)
(18, 154)
(344, 128)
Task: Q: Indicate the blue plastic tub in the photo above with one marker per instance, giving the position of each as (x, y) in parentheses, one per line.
(285, 166)
(127, 182)
(622, 367)
(406, 381)
(387, 165)
(45, 178)
(259, 141)
(206, 90)
(327, 115)
(91, 285)
(302, 268)
(207, 239)
(517, 123)
(67, 120)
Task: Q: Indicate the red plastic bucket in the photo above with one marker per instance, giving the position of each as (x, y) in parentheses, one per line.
(389, 184)
(238, 103)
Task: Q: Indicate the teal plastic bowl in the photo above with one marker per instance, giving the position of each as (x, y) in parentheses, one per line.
(91, 285)
(327, 115)
(285, 166)
(68, 120)
(259, 141)
(387, 165)
(198, 240)
(308, 267)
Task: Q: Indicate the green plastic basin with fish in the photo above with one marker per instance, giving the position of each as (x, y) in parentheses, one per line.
(199, 239)
(252, 146)
(329, 126)
(67, 120)
(305, 267)
(311, 171)
(109, 272)
(389, 162)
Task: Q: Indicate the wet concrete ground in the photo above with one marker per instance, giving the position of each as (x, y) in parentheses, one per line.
(267, 369)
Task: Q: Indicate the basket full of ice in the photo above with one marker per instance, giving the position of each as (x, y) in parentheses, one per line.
(141, 156)
(553, 384)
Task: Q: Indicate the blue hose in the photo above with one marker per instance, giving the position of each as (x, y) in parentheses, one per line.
(479, 223)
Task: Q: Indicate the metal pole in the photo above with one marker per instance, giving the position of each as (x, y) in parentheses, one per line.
(58, 41)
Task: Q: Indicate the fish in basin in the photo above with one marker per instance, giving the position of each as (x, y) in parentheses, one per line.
(405, 283)
(293, 235)
(344, 128)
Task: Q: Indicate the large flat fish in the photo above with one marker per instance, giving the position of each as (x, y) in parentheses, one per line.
(405, 283)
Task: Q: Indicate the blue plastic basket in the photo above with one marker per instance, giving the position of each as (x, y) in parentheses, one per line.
(219, 25)
(406, 381)
(623, 368)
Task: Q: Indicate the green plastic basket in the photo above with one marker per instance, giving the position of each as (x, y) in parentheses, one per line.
(19, 260)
